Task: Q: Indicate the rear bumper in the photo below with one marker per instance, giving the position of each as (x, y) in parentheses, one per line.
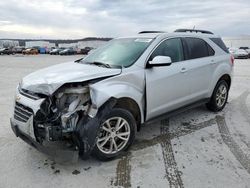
(58, 153)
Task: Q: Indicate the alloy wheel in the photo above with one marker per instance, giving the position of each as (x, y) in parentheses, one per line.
(221, 95)
(114, 135)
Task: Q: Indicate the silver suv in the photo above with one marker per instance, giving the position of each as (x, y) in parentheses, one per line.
(96, 105)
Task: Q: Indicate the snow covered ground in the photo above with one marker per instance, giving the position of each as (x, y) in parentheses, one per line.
(193, 149)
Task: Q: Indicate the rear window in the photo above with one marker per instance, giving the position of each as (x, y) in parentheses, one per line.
(220, 43)
(197, 48)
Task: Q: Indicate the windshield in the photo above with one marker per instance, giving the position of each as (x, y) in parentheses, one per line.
(119, 52)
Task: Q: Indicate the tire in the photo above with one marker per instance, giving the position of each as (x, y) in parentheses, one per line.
(219, 98)
(128, 123)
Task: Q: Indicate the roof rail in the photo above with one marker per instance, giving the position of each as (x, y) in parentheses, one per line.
(194, 30)
(142, 32)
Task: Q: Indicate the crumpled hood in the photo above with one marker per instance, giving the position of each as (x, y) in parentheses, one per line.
(48, 80)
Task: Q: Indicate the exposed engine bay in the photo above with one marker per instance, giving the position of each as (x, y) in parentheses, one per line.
(65, 117)
(69, 103)
(59, 114)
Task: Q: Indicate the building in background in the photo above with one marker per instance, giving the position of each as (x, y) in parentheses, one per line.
(83, 44)
(92, 43)
(49, 44)
(68, 45)
(236, 42)
(42, 44)
(8, 43)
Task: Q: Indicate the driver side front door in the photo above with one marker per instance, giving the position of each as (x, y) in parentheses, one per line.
(167, 87)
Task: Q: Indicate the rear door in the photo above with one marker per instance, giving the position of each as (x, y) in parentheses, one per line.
(200, 62)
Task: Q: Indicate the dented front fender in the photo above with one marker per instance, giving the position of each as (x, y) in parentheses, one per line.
(126, 85)
(88, 128)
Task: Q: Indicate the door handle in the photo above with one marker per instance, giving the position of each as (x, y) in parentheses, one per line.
(183, 70)
(213, 62)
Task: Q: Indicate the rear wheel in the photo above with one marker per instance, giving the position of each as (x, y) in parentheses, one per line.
(219, 97)
(116, 134)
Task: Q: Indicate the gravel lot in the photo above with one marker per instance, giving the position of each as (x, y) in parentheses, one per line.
(193, 149)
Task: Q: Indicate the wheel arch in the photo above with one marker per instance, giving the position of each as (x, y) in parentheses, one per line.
(128, 93)
(227, 78)
(130, 105)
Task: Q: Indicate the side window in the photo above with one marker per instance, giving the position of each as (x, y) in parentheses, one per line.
(197, 48)
(211, 52)
(172, 48)
(220, 43)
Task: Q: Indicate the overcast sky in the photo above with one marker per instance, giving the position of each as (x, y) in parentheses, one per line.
(60, 19)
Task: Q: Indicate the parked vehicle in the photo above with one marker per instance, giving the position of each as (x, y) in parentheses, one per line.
(38, 48)
(30, 51)
(56, 51)
(18, 50)
(238, 53)
(85, 50)
(42, 50)
(68, 51)
(98, 103)
(247, 49)
(6, 51)
(47, 50)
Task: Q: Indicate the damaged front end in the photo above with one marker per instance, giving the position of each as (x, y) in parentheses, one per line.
(62, 125)
(58, 115)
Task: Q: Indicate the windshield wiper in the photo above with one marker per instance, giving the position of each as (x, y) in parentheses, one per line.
(78, 60)
(98, 63)
(101, 63)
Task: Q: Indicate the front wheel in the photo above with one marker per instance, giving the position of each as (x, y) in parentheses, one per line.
(219, 98)
(117, 133)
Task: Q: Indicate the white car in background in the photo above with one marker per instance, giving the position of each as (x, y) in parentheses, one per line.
(238, 53)
(247, 49)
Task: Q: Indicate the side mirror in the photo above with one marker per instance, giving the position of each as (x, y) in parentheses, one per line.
(160, 61)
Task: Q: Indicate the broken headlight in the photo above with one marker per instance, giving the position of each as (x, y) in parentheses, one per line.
(70, 102)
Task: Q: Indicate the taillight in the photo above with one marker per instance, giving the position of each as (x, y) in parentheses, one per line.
(232, 60)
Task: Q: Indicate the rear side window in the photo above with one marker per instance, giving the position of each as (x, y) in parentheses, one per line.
(197, 48)
(172, 48)
(220, 43)
(210, 50)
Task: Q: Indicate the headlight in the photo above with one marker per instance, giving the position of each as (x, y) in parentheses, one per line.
(68, 95)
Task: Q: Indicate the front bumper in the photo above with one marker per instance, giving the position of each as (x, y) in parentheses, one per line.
(58, 152)
(83, 137)
(22, 124)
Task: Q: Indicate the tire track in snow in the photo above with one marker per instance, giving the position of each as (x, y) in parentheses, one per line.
(123, 178)
(164, 136)
(123, 170)
(241, 103)
(172, 173)
(232, 145)
(242, 100)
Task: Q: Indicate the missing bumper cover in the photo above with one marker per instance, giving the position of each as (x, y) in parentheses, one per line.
(84, 136)
(88, 129)
(58, 154)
